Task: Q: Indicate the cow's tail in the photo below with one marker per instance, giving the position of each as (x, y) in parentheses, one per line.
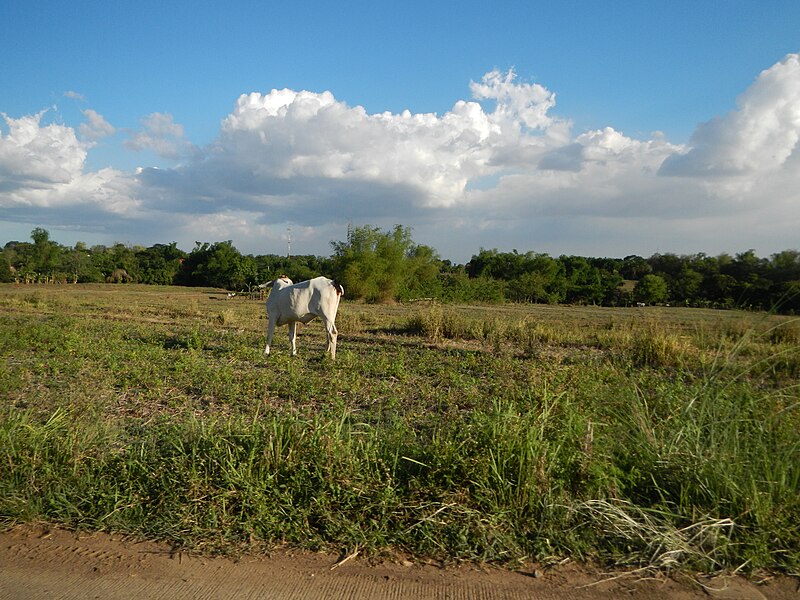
(338, 287)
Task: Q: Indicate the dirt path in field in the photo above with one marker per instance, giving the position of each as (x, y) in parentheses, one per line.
(38, 563)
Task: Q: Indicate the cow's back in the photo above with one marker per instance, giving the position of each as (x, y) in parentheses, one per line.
(293, 302)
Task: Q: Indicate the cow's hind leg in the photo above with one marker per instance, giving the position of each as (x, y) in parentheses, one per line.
(270, 332)
(333, 334)
(293, 337)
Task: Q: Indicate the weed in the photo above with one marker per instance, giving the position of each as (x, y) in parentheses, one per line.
(652, 347)
(226, 317)
(787, 332)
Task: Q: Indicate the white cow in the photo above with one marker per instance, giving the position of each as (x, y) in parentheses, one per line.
(289, 304)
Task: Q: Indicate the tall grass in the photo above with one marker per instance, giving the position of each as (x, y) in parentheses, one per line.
(448, 432)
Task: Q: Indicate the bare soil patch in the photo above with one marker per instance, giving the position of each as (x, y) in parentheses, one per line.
(41, 562)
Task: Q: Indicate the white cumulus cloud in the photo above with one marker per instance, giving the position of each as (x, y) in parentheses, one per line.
(287, 150)
(96, 126)
(759, 136)
(43, 179)
(32, 155)
(499, 169)
(162, 135)
(518, 104)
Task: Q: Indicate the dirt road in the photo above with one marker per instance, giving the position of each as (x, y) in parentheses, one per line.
(39, 563)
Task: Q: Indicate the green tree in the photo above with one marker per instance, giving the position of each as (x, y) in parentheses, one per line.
(543, 280)
(421, 274)
(160, 264)
(218, 265)
(720, 289)
(498, 265)
(667, 265)
(530, 287)
(46, 256)
(12, 259)
(373, 264)
(635, 267)
(6, 275)
(584, 284)
(785, 265)
(686, 286)
(650, 289)
(78, 264)
(117, 264)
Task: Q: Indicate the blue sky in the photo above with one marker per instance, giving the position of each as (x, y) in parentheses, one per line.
(593, 128)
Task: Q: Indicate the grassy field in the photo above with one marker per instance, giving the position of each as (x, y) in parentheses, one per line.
(654, 438)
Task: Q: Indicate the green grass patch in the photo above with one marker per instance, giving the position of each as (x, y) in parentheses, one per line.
(496, 434)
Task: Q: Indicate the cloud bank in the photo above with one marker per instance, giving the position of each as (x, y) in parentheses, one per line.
(501, 169)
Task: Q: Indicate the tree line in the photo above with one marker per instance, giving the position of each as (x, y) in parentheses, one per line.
(381, 266)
